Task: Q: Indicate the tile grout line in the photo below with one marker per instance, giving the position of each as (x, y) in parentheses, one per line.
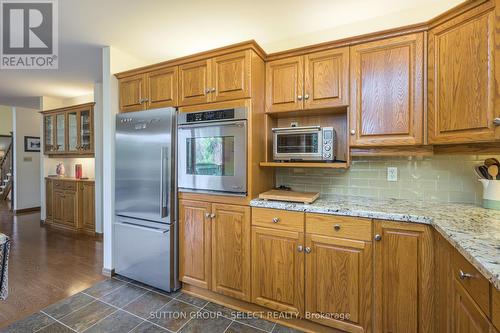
(56, 321)
(116, 310)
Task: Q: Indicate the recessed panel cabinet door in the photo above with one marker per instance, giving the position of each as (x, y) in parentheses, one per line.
(231, 250)
(70, 209)
(278, 269)
(284, 84)
(195, 243)
(162, 86)
(231, 76)
(326, 78)
(387, 92)
(194, 80)
(467, 316)
(88, 206)
(461, 87)
(133, 91)
(339, 281)
(49, 190)
(403, 278)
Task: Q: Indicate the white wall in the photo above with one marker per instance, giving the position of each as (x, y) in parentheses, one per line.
(26, 122)
(5, 120)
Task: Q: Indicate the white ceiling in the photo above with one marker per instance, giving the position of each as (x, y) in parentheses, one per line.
(157, 30)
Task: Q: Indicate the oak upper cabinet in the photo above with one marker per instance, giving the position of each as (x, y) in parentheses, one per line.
(339, 272)
(403, 277)
(387, 85)
(462, 101)
(194, 82)
(231, 250)
(87, 206)
(195, 258)
(133, 92)
(162, 87)
(284, 84)
(222, 78)
(48, 133)
(316, 80)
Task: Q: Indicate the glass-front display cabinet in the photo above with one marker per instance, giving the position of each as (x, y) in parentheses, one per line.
(69, 131)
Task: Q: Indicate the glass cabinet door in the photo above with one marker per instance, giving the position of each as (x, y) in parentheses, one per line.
(85, 131)
(73, 131)
(48, 125)
(60, 132)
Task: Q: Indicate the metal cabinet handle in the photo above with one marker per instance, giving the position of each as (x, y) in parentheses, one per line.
(378, 238)
(308, 249)
(276, 219)
(212, 216)
(207, 215)
(207, 90)
(464, 275)
(212, 90)
(336, 227)
(353, 132)
(306, 96)
(300, 248)
(146, 100)
(496, 121)
(299, 97)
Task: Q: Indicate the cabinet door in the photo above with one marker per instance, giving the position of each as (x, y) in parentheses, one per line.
(461, 87)
(133, 92)
(231, 76)
(86, 131)
(326, 79)
(49, 201)
(387, 92)
(60, 135)
(194, 83)
(467, 316)
(48, 134)
(70, 209)
(87, 202)
(58, 206)
(72, 126)
(404, 272)
(284, 84)
(339, 281)
(195, 243)
(231, 251)
(278, 269)
(162, 86)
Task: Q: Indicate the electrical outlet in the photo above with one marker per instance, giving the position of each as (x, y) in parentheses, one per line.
(392, 174)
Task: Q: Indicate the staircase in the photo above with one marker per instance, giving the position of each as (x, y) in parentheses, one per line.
(6, 173)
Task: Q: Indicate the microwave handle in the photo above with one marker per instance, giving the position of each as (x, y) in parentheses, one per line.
(298, 128)
(232, 123)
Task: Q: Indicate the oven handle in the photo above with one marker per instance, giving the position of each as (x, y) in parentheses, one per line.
(240, 123)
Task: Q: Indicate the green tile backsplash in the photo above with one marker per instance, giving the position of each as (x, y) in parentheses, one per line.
(433, 178)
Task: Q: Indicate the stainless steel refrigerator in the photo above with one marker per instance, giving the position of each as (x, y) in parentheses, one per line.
(145, 229)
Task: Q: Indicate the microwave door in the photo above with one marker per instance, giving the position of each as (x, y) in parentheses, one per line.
(142, 170)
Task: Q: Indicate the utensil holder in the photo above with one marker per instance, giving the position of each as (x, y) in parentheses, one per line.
(491, 193)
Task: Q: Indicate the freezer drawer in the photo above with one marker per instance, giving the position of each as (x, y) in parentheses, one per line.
(142, 253)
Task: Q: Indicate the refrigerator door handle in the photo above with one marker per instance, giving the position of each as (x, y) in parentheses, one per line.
(163, 183)
(141, 227)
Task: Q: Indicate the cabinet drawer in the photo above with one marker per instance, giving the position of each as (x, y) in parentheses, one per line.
(474, 282)
(278, 219)
(70, 186)
(339, 226)
(58, 184)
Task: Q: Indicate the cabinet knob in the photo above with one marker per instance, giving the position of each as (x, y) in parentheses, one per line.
(207, 90)
(307, 249)
(212, 90)
(336, 227)
(464, 275)
(276, 219)
(207, 215)
(299, 97)
(378, 237)
(300, 248)
(496, 121)
(353, 132)
(212, 216)
(306, 96)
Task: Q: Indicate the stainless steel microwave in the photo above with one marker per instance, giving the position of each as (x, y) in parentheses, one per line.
(306, 143)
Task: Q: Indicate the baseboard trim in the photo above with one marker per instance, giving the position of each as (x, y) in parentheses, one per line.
(108, 272)
(26, 210)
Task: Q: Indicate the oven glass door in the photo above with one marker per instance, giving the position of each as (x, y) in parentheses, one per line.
(300, 144)
(212, 157)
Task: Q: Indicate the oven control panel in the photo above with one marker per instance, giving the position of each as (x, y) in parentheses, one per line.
(210, 115)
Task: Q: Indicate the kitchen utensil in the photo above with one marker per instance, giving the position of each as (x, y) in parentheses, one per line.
(493, 171)
(478, 172)
(491, 161)
(491, 193)
(484, 171)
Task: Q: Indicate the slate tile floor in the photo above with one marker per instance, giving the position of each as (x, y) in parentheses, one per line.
(122, 305)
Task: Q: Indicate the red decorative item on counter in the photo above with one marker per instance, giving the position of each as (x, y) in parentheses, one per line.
(78, 171)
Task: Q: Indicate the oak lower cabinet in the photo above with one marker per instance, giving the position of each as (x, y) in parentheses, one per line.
(387, 92)
(214, 247)
(70, 204)
(467, 317)
(404, 273)
(462, 95)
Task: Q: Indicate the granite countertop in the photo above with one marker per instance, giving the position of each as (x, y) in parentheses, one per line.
(472, 230)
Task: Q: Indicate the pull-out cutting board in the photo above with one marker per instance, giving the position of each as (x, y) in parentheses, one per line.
(305, 197)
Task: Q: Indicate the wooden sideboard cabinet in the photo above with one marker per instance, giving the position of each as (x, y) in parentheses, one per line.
(70, 204)
(462, 98)
(69, 131)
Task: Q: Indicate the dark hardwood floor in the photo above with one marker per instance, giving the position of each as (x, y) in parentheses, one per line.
(45, 265)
